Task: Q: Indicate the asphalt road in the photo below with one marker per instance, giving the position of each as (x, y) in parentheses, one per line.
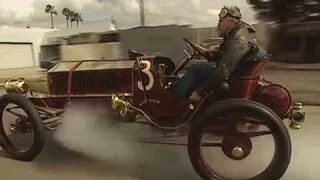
(104, 154)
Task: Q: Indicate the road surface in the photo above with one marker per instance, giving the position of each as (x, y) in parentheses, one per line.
(303, 85)
(132, 161)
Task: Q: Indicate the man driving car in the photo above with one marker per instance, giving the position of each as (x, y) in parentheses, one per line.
(203, 78)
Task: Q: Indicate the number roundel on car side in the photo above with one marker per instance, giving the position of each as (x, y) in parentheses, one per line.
(146, 71)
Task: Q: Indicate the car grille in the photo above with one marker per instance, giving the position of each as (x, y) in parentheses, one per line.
(93, 82)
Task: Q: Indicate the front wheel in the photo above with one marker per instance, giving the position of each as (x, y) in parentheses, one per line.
(234, 123)
(26, 123)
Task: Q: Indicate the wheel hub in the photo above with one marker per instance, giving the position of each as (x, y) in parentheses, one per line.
(20, 126)
(236, 147)
(237, 152)
(13, 128)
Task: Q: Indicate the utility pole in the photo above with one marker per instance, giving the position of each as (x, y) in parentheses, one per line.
(142, 12)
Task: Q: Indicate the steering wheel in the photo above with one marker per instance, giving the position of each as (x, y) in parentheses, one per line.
(194, 47)
(188, 58)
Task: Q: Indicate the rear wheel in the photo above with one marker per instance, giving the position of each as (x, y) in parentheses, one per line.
(24, 124)
(235, 122)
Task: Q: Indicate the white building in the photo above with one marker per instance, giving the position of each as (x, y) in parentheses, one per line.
(101, 41)
(20, 47)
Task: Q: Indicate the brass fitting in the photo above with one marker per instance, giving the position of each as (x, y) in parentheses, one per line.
(117, 103)
(19, 85)
(297, 116)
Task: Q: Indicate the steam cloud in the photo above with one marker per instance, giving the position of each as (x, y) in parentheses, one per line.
(90, 130)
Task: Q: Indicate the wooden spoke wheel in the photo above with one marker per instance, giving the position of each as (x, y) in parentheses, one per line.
(236, 135)
(25, 123)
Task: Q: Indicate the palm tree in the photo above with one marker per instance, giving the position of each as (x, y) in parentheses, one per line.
(76, 17)
(79, 18)
(66, 12)
(72, 17)
(50, 10)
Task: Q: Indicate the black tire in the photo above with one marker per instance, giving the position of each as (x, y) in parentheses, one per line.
(39, 131)
(282, 158)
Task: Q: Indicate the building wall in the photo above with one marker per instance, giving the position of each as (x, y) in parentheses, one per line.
(16, 55)
(49, 51)
(200, 34)
(54, 37)
(51, 41)
(262, 34)
(298, 43)
(24, 35)
(167, 40)
(98, 51)
(161, 40)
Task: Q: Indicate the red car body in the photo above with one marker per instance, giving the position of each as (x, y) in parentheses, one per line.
(100, 79)
(141, 85)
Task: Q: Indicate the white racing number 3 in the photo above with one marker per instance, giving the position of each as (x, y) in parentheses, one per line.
(146, 71)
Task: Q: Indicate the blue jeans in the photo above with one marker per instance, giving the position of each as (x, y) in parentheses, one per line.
(193, 78)
(196, 75)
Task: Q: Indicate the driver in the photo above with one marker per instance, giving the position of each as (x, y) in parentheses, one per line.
(204, 77)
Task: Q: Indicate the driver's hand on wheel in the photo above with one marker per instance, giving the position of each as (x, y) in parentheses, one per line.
(215, 49)
(202, 49)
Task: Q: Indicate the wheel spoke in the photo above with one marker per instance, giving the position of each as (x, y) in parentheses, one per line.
(253, 121)
(15, 113)
(257, 133)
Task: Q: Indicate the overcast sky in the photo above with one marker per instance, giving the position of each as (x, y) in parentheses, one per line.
(200, 13)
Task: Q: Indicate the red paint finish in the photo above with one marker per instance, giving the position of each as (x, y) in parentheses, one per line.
(242, 88)
(246, 86)
(98, 85)
(276, 97)
(162, 102)
(92, 82)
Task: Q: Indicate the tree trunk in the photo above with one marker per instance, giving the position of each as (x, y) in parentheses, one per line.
(67, 22)
(77, 23)
(51, 21)
(70, 24)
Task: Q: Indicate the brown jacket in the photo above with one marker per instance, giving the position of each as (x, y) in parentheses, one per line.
(236, 44)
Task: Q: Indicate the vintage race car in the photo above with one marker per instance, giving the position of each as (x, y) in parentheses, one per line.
(141, 86)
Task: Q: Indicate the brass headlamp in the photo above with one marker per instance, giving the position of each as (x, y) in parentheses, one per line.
(118, 103)
(297, 116)
(19, 85)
